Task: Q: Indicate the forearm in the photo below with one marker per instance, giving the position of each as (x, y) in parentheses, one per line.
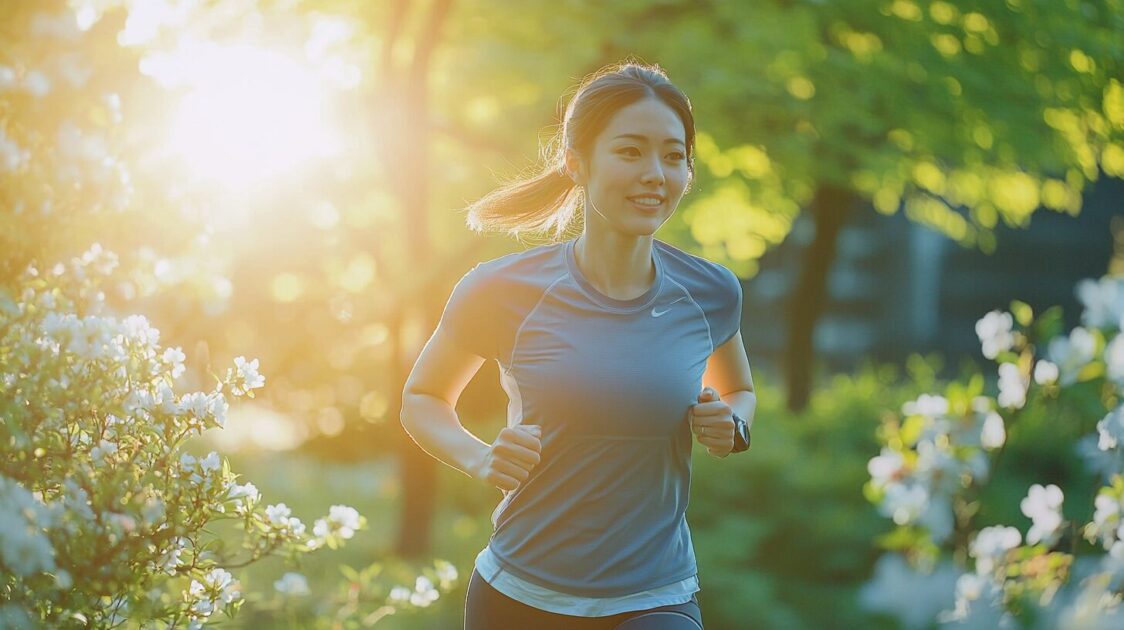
(433, 424)
(744, 404)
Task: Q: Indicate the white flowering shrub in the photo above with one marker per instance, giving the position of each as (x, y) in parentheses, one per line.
(103, 518)
(941, 450)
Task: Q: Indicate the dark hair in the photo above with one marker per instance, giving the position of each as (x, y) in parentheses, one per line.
(549, 201)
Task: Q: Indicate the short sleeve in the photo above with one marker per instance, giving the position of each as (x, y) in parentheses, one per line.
(468, 316)
(729, 320)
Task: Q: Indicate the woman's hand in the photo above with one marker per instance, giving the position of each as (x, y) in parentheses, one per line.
(510, 459)
(712, 422)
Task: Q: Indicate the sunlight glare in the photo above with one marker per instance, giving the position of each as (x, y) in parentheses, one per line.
(249, 115)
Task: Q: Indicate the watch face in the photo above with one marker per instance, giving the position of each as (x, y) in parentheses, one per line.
(742, 428)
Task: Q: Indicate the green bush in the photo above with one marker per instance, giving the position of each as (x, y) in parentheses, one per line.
(782, 532)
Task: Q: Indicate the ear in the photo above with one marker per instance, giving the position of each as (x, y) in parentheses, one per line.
(575, 166)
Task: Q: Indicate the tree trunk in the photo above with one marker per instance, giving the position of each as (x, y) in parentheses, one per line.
(417, 470)
(830, 209)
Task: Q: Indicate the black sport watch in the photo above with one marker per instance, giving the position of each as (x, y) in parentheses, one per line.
(741, 434)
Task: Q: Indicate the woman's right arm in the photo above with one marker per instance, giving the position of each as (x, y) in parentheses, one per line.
(429, 416)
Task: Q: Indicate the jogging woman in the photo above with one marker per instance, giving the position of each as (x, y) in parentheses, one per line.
(616, 350)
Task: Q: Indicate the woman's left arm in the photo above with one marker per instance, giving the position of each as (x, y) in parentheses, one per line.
(727, 390)
(728, 373)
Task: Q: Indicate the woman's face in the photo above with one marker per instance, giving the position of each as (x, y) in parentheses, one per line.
(637, 171)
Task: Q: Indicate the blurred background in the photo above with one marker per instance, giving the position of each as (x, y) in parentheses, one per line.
(285, 180)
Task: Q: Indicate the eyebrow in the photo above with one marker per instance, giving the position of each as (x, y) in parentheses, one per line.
(635, 136)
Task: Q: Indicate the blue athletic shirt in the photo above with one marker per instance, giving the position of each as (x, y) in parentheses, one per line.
(603, 514)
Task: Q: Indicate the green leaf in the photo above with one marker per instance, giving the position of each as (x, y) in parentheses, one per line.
(1022, 313)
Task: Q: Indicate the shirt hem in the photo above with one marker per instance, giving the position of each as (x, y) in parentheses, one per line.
(523, 575)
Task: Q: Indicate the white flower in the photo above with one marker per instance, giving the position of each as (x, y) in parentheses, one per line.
(217, 408)
(166, 399)
(399, 595)
(1045, 373)
(278, 514)
(342, 520)
(1114, 359)
(293, 584)
(985, 592)
(244, 377)
(1072, 353)
(1110, 430)
(195, 403)
(991, 544)
(912, 596)
(247, 496)
(138, 331)
(204, 606)
(993, 435)
(24, 547)
(1044, 507)
(222, 581)
(1107, 518)
(994, 331)
(446, 572)
(103, 449)
(248, 490)
(175, 357)
(904, 502)
(139, 400)
(170, 559)
(1103, 300)
(970, 586)
(886, 466)
(926, 405)
(1012, 387)
(424, 593)
(279, 517)
(211, 462)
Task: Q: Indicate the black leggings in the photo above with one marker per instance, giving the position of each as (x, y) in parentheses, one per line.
(486, 608)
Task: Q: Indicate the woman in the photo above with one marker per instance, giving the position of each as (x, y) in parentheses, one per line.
(603, 344)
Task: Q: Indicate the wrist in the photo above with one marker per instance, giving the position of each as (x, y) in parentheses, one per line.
(475, 463)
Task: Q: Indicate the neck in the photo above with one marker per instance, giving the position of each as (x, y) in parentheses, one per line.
(618, 265)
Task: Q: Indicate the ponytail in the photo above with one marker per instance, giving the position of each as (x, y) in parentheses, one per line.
(545, 203)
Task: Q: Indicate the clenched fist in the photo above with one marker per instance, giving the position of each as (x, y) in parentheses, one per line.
(511, 457)
(712, 422)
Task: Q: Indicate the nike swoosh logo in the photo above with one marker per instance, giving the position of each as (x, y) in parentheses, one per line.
(657, 313)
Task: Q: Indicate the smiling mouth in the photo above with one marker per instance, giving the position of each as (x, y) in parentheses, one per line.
(646, 202)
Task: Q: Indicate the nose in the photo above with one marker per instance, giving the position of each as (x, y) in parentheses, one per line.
(653, 174)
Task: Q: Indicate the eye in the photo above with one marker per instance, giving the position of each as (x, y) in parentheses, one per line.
(632, 151)
(676, 155)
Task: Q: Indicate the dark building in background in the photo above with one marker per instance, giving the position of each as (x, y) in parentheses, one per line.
(898, 287)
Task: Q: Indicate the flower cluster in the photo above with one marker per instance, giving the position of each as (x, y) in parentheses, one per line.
(423, 594)
(341, 524)
(94, 480)
(943, 448)
(939, 448)
(215, 589)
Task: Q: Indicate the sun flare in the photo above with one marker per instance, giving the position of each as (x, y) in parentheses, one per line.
(247, 115)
